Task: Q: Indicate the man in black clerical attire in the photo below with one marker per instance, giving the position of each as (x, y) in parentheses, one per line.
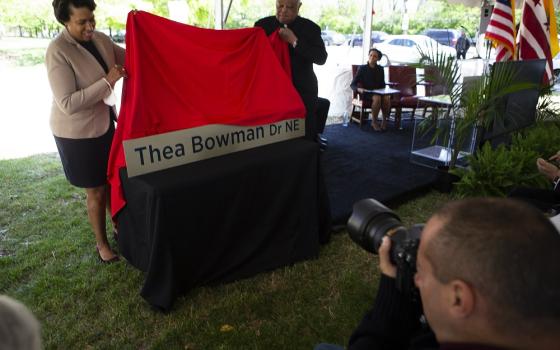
(306, 47)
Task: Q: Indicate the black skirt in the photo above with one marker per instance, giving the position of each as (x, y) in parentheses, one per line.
(85, 160)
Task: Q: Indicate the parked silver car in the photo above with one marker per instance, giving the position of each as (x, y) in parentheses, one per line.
(357, 39)
(405, 48)
(330, 37)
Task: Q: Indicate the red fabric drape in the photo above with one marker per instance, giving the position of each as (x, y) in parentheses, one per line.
(182, 77)
(280, 48)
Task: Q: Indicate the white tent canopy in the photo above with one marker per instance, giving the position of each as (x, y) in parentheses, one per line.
(222, 7)
(340, 94)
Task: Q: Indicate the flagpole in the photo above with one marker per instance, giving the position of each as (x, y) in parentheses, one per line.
(218, 14)
(366, 35)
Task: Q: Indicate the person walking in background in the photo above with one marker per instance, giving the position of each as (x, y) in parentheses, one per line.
(83, 66)
(462, 46)
(306, 48)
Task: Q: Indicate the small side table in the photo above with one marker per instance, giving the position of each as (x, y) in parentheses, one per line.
(384, 92)
(438, 101)
(435, 149)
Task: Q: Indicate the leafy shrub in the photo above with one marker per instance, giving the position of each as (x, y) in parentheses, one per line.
(495, 172)
(543, 138)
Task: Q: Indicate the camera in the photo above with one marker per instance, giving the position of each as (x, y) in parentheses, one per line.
(370, 222)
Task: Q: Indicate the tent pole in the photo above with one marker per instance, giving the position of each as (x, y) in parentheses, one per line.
(227, 12)
(218, 14)
(366, 36)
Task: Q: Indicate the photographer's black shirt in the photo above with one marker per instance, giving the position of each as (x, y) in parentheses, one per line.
(394, 324)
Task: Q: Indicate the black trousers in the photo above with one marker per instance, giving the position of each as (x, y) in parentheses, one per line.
(323, 106)
(545, 200)
(310, 102)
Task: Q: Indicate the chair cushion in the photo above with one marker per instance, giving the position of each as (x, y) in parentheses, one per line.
(409, 101)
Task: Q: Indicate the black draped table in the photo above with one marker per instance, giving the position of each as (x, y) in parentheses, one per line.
(223, 219)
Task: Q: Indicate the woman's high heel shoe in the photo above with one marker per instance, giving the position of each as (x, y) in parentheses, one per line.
(110, 261)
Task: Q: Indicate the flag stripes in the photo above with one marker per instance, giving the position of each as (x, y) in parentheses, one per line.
(501, 29)
(534, 35)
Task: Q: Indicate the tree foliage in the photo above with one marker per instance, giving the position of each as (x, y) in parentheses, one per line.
(35, 17)
(342, 17)
(32, 17)
(441, 14)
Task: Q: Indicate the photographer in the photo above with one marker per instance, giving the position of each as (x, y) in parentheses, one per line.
(487, 273)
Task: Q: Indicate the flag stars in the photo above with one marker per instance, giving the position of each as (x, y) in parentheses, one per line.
(537, 3)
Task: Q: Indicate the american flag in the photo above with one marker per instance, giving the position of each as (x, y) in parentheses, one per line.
(537, 34)
(501, 29)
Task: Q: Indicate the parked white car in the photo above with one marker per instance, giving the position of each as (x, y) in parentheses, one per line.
(330, 37)
(406, 48)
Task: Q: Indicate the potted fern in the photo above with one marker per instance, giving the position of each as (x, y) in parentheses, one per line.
(475, 108)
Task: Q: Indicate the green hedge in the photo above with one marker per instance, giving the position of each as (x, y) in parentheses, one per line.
(495, 172)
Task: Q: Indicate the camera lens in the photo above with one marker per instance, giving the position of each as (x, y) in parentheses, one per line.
(370, 221)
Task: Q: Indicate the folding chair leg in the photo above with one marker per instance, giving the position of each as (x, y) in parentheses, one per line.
(398, 114)
(361, 117)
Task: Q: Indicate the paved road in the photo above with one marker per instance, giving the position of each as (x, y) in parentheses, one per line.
(25, 99)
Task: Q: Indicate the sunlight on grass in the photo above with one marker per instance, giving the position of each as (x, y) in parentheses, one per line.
(24, 57)
(48, 262)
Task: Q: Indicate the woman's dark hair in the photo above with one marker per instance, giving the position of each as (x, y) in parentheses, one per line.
(62, 8)
(379, 53)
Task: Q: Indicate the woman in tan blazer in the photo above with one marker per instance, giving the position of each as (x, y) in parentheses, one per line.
(83, 66)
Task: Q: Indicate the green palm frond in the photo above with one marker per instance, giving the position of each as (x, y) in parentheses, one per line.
(478, 106)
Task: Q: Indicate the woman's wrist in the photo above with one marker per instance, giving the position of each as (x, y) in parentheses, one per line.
(108, 83)
(556, 180)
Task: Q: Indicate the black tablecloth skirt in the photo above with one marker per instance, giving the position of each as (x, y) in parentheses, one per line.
(223, 219)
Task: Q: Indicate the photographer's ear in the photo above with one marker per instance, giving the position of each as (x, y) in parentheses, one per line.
(461, 299)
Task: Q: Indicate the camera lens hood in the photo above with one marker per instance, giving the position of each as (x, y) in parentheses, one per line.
(369, 222)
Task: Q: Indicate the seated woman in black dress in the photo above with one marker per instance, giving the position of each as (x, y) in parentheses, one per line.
(371, 76)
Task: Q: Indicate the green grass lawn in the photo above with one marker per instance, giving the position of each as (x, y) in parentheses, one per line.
(48, 262)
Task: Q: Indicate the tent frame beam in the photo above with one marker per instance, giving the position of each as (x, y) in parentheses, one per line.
(220, 19)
